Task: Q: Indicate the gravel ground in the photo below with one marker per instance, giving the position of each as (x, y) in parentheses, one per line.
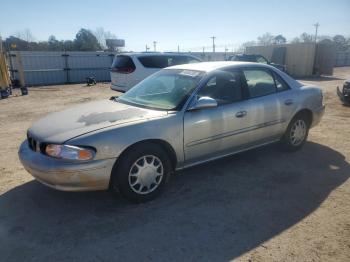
(261, 205)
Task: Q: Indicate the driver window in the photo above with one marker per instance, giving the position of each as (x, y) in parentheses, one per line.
(224, 87)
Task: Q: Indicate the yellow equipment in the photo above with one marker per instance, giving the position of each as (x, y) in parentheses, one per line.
(5, 81)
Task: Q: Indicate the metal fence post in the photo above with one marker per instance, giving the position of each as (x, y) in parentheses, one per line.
(66, 68)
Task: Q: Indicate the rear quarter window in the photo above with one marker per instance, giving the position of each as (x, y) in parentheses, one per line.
(165, 61)
(281, 85)
(123, 62)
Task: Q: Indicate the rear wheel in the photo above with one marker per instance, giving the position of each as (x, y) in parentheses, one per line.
(4, 93)
(296, 133)
(142, 172)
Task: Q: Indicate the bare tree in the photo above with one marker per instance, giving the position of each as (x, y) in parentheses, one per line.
(306, 38)
(102, 35)
(266, 39)
(28, 35)
(295, 40)
(244, 45)
(25, 35)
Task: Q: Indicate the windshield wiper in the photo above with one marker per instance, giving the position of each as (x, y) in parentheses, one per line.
(114, 98)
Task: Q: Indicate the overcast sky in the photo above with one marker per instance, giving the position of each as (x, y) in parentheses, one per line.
(171, 23)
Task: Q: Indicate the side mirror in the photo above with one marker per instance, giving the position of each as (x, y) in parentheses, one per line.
(202, 103)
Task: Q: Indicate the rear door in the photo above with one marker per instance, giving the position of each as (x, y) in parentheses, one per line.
(286, 99)
(149, 64)
(265, 114)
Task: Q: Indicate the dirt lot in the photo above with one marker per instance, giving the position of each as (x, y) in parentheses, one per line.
(261, 205)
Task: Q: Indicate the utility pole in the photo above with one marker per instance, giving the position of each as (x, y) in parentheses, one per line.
(155, 46)
(178, 48)
(316, 27)
(203, 49)
(213, 37)
(147, 48)
(226, 49)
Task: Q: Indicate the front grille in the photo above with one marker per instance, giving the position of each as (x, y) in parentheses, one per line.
(33, 144)
(346, 89)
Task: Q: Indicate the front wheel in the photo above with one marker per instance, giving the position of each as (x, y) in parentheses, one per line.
(296, 133)
(142, 172)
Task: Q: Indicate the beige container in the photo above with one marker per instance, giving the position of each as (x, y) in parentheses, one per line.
(299, 59)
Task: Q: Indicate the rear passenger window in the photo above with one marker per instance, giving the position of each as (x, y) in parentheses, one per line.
(225, 87)
(260, 82)
(154, 61)
(177, 60)
(192, 60)
(165, 61)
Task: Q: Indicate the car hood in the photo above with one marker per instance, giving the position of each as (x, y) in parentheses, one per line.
(75, 121)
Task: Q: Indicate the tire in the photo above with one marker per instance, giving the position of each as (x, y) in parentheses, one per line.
(4, 94)
(296, 133)
(141, 173)
(24, 91)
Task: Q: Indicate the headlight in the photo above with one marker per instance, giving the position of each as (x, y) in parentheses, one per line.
(69, 152)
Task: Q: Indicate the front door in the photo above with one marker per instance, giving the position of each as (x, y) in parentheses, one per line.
(213, 132)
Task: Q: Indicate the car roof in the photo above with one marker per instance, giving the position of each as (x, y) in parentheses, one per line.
(155, 54)
(212, 66)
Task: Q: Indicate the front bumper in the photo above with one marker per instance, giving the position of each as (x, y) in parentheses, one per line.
(317, 115)
(65, 175)
(344, 96)
(119, 88)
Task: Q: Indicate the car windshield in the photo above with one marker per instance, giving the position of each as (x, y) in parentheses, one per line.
(167, 89)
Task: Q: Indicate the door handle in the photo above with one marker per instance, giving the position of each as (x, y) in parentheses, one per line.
(288, 102)
(241, 114)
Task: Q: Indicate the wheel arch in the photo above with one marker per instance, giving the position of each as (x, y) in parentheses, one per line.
(304, 112)
(159, 142)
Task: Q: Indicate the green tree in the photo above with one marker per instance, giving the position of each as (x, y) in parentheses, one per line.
(54, 44)
(14, 43)
(340, 42)
(68, 45)
(86, 41)
(279, 39)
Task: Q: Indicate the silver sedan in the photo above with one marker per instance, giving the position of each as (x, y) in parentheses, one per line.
(179, 117)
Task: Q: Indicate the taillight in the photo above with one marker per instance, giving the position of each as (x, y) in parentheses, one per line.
(123, 70)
